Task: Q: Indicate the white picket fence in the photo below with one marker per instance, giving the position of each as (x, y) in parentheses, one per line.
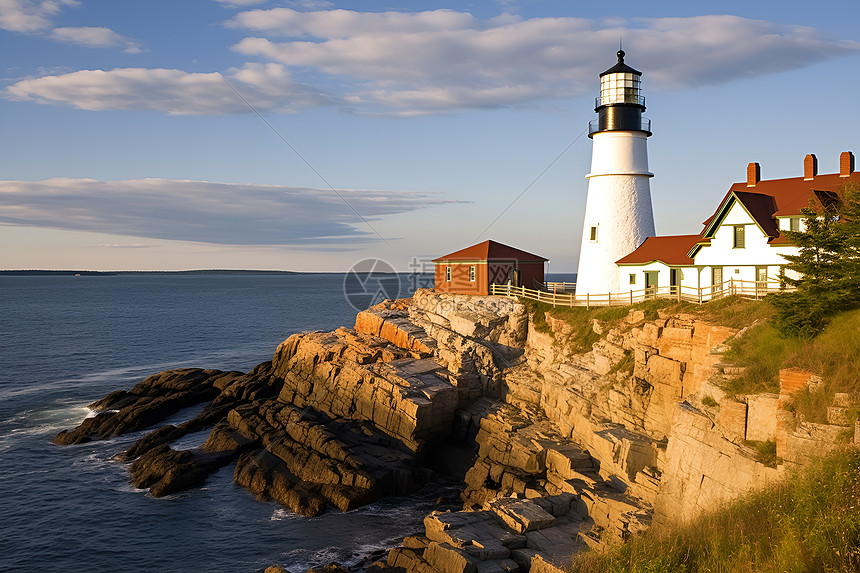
(563, 294)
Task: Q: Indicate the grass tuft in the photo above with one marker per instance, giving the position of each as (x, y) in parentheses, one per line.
(762, 352)
(765, 452)
(625, 365)
(810, 522)
(582, 335)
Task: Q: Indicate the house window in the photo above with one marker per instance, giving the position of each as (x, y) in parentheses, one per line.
(794, 224)
(447, 274)
(593, 236)
(739, 237)
(633, 278)
(472, 273)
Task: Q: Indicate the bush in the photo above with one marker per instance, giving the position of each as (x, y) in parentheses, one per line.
(829, 265)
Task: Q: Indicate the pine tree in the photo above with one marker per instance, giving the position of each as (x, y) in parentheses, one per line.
(828, 262)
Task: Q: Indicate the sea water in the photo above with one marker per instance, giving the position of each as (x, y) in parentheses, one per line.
(66, 341)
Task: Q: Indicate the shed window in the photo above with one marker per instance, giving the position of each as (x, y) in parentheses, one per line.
(593, 236)
(447, 274)
(739, 237)
(472, 273)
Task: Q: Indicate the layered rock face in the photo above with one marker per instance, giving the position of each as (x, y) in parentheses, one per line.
(340, 418)
(569, 449)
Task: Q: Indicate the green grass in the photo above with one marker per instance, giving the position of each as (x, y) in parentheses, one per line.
(809, 523)
(709, 401)
(762, 352)
(734, 311)
(582, 335)
(834, 355)
(625, 365)
(765, 452)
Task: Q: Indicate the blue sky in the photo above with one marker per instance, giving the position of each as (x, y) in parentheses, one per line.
(309, 135)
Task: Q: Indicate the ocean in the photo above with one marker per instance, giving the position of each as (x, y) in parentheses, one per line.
(66, 341)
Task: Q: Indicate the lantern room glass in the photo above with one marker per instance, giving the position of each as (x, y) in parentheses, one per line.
(620, 88)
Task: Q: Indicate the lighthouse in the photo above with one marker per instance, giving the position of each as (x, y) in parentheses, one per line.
(618, 214)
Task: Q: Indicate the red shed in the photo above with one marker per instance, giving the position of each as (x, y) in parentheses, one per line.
(473, 269)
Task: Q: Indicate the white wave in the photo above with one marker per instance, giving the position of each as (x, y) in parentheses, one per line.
(302, 559)
(30, 423)
(280, 514)
(223, 359)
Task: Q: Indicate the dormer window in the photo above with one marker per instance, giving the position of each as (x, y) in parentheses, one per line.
(794, 224)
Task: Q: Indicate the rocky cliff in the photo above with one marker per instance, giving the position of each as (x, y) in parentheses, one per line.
(567, 449)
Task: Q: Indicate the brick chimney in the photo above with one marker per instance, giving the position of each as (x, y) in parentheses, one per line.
(753, 174)
(810, 167)
(846, 164)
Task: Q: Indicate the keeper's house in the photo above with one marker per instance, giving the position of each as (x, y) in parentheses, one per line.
(472, 270)
(744, 239)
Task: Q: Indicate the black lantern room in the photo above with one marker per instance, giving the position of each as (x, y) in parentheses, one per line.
(621, 103)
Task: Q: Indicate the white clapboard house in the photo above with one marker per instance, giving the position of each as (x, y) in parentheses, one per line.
(743, 242)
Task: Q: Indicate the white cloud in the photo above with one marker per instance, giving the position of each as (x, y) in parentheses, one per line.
(240, 2)
(300, 4)
(265, 86)
(330, 24)
(200, 211)
(424, 62)
(439, 61)
(30, 15)
(95, 37)
(36, 17)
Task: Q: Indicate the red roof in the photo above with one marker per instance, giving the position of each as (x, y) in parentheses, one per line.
(489, 251)
(774, 198)
(671, 250)
(791, 195)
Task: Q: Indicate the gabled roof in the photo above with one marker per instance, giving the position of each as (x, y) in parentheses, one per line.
(490, 251)
(671, 250)
(773, 198)
(761, 208)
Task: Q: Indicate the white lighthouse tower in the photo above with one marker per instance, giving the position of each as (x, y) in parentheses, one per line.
(618, 214)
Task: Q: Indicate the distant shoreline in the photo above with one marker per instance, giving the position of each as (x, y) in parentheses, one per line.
(115, 273)
(570, 277)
